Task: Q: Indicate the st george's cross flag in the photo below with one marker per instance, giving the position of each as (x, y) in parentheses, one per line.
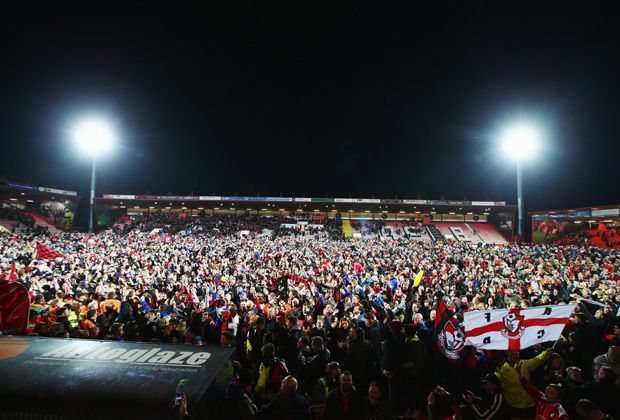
(515, 329)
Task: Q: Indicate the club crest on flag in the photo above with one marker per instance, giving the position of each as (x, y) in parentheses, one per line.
(451, 339)
(514, 328)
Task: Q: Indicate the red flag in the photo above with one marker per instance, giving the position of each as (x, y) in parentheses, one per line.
(13, 275)
(14, 308)
(449, 335)
(47, 253)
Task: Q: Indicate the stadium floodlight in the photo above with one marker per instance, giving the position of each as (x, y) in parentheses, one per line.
(93, 136)
(520, 141)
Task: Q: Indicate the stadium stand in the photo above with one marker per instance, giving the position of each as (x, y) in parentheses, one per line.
(435, 233)
(488, 233)
(444, 229)
(604, 239)
(42, 221)
(12, 220)
(459, 231)
(11, 225)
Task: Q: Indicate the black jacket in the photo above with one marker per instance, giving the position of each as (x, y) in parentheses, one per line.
(315, 368)
(373, 333)
(335, 407)
(381, 411)
(290, 351)
(286, 407)
(361, 362)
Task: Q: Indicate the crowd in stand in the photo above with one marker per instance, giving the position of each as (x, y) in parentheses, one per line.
(56, 214)
(369, 227)
(610, 238)
(331, 327)
(17, 216)
(604, 236)
(216, 225)
(333, 228)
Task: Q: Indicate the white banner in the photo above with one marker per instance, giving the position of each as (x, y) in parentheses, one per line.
(605, 212)
(515, 329)
(119, 196)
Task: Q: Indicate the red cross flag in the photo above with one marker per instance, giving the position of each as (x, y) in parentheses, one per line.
(515, 329)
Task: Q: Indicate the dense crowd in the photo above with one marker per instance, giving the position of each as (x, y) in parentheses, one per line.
(331, 326)
(599, 237)
(16, 216)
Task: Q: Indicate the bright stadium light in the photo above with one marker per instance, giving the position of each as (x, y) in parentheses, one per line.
(93, 136)
(520, 141)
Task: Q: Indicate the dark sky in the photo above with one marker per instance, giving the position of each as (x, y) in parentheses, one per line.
(367, 101)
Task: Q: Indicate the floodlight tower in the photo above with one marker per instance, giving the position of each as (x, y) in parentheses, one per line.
(93, 136)
(520, 141)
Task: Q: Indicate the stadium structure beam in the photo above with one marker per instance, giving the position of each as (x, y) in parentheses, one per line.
(520, 197)
(91, 203)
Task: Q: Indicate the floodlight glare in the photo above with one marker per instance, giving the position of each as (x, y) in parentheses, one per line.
(520, 141)
(93, 136)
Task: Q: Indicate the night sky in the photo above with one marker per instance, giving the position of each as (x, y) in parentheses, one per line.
(362, 102)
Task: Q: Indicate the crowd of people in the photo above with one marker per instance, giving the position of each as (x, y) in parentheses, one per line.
(604, 236)
(330, 327)
(11, 214)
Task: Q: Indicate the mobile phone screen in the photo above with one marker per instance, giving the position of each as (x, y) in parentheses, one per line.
(177, 398)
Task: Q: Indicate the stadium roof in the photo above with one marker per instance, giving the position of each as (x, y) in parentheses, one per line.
(579, 212)
(212, 198)
(9, 189)
(307, 203)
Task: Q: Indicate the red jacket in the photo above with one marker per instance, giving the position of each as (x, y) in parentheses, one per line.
(544, 409)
